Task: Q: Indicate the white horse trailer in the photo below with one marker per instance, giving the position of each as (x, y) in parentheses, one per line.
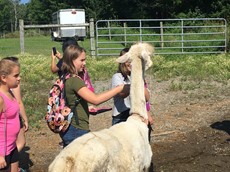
(69, 16)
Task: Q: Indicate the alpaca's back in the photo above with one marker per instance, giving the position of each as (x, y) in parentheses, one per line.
(120, 148)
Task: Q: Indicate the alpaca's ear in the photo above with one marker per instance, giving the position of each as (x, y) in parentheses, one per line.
(147, 58)
(123, 59)
(148, 63)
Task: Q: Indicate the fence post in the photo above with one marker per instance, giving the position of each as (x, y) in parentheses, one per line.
(92, 38)
(140, 26)
(109, 31)
(125, 25)
(22, 38)
(182, 35)
(162, 33)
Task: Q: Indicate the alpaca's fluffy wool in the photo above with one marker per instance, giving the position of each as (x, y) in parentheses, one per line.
(140, 57)
(123, 147)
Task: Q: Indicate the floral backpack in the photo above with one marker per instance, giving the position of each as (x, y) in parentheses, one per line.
(58, 115)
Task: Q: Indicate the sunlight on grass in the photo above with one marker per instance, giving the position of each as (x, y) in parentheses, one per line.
(185, 73)
(197, 68)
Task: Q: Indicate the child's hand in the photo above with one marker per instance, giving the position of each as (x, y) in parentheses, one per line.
(91, 108)
(26, 125)
(2, 162)
(126, 88)
(150, 118)
(52, 55)
(58, 55)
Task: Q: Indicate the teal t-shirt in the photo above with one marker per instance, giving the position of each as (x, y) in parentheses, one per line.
(72, 85)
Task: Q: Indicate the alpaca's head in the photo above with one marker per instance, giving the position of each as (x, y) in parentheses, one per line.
(138, 50)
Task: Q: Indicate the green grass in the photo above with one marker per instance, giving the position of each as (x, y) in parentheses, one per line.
(193, 67)
(185, 72)
(39, 45)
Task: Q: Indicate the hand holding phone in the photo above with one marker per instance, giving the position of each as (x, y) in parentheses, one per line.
(54, 51)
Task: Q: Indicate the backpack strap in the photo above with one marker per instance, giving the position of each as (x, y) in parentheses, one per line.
(77, 101)
(74, 110)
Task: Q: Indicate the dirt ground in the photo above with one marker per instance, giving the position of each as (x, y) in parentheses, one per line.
(191, 132)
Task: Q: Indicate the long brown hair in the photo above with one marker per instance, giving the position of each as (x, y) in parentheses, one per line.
(121, 67)
(71, 53)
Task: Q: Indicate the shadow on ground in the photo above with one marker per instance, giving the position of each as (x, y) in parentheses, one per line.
(223, 126)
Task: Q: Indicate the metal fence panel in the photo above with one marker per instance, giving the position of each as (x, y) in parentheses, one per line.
(169, 36)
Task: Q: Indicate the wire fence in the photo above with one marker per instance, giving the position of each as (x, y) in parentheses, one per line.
(169, 36)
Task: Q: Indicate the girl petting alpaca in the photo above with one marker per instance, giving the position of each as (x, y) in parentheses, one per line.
(9, 115)
(74, 61)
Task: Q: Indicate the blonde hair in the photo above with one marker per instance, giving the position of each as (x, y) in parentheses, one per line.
(7, 64)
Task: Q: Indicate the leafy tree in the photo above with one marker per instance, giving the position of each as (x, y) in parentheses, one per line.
(9, 17)
(10, 12)
(14, 13)
(4, 15)
(23, 12)
(98, 9)
(220, 9)
(40, 11)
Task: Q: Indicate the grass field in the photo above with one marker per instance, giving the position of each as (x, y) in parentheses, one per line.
(40, 45)
(36, 78)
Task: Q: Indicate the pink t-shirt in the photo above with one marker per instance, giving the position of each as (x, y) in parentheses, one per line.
(11, 111)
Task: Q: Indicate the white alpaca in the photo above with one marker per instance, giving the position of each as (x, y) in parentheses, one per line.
(123, 147)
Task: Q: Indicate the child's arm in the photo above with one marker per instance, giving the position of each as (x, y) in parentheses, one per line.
(17, 94)
(53, 66)
(97, 99)
(150, 118)
(147, 94)
(1, 104)
(147, 91)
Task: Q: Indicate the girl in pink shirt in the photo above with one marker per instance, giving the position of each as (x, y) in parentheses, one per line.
(9, 115)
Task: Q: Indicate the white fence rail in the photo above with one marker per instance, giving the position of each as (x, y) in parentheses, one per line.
(90, 25)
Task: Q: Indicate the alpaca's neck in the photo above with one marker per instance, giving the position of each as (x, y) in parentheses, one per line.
(137, 96)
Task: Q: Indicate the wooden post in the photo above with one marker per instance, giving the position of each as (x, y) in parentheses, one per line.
(92, 38)
(22, 38)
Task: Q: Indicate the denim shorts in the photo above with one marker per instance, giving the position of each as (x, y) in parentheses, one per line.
(71, 134)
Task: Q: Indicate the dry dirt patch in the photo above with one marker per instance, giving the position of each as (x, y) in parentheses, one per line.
(191, 130)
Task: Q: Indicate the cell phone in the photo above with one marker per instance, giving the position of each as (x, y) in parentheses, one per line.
(54, 50)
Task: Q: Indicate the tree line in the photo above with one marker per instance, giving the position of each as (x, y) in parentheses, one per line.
(40, 11)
